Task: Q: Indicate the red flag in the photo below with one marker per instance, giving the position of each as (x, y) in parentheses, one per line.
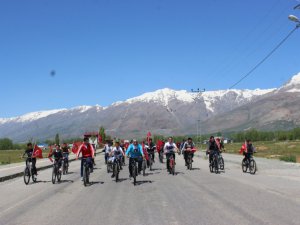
(76, 146)
(50, 152)
(37, 152)
(243, 148)
(148, 137)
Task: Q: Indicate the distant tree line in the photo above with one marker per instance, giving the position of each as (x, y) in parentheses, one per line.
(7, 144)
(256, 135)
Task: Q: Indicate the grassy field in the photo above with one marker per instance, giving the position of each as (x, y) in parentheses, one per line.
(13, 156)
(286, 151)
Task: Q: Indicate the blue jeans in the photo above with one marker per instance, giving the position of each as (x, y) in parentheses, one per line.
(89, 161)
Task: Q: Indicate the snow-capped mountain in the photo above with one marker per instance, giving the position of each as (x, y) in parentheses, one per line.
(164, 111)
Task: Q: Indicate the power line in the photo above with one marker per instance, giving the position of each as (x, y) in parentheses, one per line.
(265, 58)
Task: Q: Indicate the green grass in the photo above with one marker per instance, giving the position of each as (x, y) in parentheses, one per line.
(11, 156)
(14, 156)
(287, 150)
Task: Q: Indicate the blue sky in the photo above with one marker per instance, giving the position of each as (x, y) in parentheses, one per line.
(104, 51)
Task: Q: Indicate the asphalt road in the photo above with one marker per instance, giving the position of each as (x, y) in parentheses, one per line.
(272, 196)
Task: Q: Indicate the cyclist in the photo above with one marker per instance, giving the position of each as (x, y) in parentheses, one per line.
(212, 148)
(169, 150)
(30, 157)
(135, 152)
(150, 147)
(66, 151)
(58, 156)
(248, 149)
(188, 145)
(116, 153)
(87, 154)
(107, 149)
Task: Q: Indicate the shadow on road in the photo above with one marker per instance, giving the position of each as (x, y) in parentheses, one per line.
(122, 179)
(95, 182)
(155, 169)
(148, 174)
(42, 181)
(69, 173)
(144, 182)
(195, 168)
(66, 181)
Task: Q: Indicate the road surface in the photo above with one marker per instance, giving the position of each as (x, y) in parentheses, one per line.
(272, 196)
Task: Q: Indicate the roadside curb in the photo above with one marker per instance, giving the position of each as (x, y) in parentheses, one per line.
(15, 175)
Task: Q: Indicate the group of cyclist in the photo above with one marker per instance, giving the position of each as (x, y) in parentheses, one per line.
(134, 151)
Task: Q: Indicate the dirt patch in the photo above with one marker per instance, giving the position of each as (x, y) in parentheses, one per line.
(292, 146)
(262, 148)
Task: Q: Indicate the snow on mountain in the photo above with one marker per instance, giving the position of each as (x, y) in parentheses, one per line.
(293, 85)
(31, 116)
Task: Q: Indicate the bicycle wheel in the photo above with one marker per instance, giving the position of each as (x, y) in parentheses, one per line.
(85, 174)
(53, 175)
(134, 173)
(211, 167)
(244, 166)
(161, 157)
(26, 175)
(221, 163)
(173, 167)
(150, 162)
(144, 167)
(216, 165)
(67, 167)
(58, 175)
(252, 166)
(33, 176)
(116, 171)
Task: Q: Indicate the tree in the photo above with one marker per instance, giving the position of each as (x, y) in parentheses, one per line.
(102, 134)
(6, 144)
(57, 139)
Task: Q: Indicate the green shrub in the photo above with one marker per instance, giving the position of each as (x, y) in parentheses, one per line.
(288, 158)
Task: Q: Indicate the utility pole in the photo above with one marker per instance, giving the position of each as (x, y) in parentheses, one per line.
(199, 92)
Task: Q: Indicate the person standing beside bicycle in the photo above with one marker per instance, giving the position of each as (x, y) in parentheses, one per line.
(188, 146)
(169, 149)
(87, 151)
(212, 148)
(58, 156)
(30, 158)
(135, 153)
(117, 154)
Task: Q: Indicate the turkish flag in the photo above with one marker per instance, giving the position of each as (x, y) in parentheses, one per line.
(243, 148)
(148, 136)
(50, 152)
(76, 146)
(37, 152)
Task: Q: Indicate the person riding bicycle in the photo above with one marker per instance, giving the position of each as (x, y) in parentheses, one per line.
(66, 151)
(212, 148)
(150, 147)
(107, 149)
(30, 157)
(187, 146)
(247, 149)
(135, 153)
(169, 149)
(58, 156)
(87, 151)
(116, 153)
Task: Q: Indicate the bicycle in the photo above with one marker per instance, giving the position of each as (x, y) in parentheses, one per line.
(172, 165)
(144, 166)
(161, 156)
(221, 162)
(213, 166)
(134, 169)
(116, 167)
(150, 160)
(109, 166)
(250, 164)
(28, 171)
(189, 158)
(56, 172)
(86, 172)
(65, 166)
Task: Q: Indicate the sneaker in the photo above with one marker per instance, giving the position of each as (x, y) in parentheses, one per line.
(112, 176)
(81, 179)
